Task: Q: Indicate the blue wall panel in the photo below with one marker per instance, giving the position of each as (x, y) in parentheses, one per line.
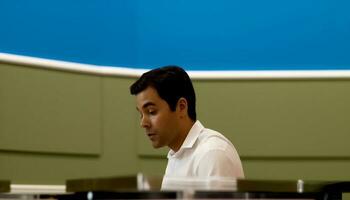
(196, 34)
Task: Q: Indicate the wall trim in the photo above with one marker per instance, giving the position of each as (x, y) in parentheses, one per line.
(196, 75)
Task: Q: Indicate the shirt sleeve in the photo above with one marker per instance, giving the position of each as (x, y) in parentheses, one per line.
(218, 163)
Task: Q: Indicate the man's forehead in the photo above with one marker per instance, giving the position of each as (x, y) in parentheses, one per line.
(148, 97)
(146, 101)
(149, 94)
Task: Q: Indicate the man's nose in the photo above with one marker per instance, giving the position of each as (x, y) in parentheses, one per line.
(145, 122)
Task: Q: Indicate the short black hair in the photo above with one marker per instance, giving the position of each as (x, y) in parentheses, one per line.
(171, 83)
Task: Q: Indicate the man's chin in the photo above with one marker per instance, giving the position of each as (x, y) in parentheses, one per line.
(157, 146)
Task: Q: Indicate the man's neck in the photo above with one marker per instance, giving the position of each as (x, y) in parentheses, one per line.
(184, 130)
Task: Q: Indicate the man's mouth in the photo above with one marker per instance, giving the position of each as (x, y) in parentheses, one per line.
(151, 135)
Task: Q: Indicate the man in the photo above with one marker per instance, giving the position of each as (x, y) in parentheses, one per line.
(166, 102)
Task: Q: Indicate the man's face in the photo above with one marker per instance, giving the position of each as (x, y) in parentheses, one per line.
(159, 122)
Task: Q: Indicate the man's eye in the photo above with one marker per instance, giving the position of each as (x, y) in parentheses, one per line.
(152, 112)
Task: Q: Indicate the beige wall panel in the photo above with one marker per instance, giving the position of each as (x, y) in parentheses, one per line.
(49, 111)
(300, 118)
(293, 169)
(117, 139)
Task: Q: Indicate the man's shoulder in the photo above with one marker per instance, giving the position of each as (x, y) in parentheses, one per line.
(213, 140)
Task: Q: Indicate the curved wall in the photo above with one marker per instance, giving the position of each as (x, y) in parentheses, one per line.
(57, 125)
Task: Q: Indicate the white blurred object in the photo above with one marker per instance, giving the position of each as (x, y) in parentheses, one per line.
(142, 183)
(199, 183)
(37, 189)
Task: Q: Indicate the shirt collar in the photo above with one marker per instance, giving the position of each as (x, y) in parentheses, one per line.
(190, 139)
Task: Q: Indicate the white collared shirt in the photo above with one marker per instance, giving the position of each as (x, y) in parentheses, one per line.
(204, 153)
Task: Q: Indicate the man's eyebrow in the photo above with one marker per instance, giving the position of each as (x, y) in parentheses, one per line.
(148, 104)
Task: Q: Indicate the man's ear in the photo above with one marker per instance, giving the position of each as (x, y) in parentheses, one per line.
(182, 105)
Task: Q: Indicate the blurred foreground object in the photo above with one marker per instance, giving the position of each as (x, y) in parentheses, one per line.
(148, 187)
